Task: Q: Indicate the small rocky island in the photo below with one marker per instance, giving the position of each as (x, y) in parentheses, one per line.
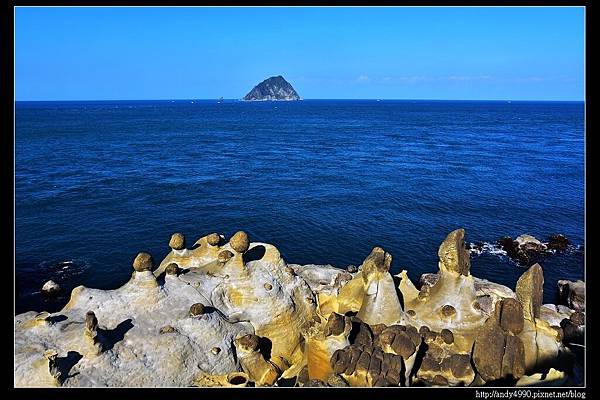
(233, 313)
(273, 88)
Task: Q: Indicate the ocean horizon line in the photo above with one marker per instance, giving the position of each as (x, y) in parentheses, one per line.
(304, 99)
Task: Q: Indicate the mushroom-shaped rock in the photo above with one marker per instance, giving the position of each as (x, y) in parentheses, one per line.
(448, 311)
(453, 254)
(530, 291)
(172, 269)
(91, 324)
(224, 256)
(403, 345)
(196, 309)
(143, 262)
(261, 371)
(447, 336)
(177, 241)
(213, 239)
(248, 342)
(240, 242)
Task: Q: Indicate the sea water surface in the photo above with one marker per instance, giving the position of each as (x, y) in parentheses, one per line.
(323, 180)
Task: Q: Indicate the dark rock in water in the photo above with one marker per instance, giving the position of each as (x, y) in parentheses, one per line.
(273, 88)
(558, 242)
(572, 294)
(525, 249)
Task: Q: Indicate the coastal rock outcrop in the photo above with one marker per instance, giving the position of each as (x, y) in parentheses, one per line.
(572, 294)
(234, 313)
(527, 249)
(273, 88)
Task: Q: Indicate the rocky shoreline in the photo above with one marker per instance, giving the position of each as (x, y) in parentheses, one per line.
(234, 313)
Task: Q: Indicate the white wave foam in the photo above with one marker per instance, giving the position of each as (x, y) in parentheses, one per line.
(487, 248)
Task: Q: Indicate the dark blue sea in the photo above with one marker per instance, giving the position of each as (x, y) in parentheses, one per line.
(323, 180)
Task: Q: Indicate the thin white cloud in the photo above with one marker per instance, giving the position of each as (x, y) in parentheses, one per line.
(363, 78)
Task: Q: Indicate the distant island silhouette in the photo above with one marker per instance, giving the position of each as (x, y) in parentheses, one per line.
(273, 88)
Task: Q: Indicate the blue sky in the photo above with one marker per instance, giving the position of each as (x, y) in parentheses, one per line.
(92, 53)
